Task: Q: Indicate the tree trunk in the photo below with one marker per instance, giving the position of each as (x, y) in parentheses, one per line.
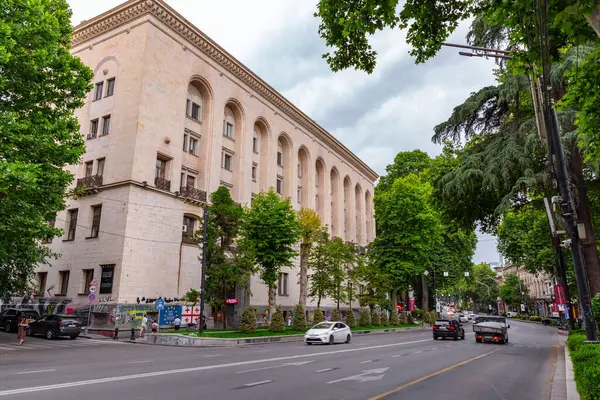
(425, 290)
(584, 215)
(394, 299)
(319, 302)
(272, 299)
(224, 312)
(594, 19)
(304, 252)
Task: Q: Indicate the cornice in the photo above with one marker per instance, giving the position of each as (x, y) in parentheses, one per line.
(134, 9)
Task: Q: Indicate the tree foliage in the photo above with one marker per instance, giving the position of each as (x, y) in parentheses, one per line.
(394, 318)
(299, 320)
(311, 230)
(272, 229)
(375, 318)
(510, 291)
(277, 323)
(318, 316)
(41, 86)
(350, 318)
(192, 296)
(335, 314)
(248, 323)
(365, 317)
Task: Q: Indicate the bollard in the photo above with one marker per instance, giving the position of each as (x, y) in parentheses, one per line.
(116, 335)
(132, 334)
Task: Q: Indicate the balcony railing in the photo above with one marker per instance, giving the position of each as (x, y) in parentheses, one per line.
(193, 193)
(162, 184)
(188, 239)
(90, 181)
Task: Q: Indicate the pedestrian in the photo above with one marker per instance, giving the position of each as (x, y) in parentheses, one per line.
(176, 323)
(143, 326)
(22, 327)
(289, 319)
(154, 326)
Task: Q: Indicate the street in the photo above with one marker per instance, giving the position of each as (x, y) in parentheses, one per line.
(408, 365)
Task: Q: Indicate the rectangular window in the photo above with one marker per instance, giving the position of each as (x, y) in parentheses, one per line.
(93, 128)
(110, 89)
(190, 181)
(105, 124)
(299, 194)
(161, 168)
(42, 278)
(282, 286)
(229, 130)
(96, 215)
(193, 149)
(255, 145)
(195, 112)
(87, 275)
(99, 90)
(185, 142)
(63, 277)
(299, 170)
(188, 227)
(254, 173)
(72, 224)
(279, 186)
(100, 167)
(89, 168)
(280, 159)
(227, 161)
(106, 279)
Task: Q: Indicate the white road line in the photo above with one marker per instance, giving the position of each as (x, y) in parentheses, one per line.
(140, 362)
(366, 361)
(7, 348)
(323, 370)
(397, 355)
(417, 352)
(434, 348)
(211, 355)
(257, 383)
(34, 372)
(44, 388)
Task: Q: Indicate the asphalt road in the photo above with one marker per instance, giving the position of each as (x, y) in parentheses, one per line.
(409, 365)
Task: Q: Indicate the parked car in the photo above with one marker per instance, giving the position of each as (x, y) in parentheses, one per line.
(53, 326)
(9, 319)
(328, 332)
(512, 314)
(444, 328)
(462, 318)
(491, 329)
(471, 317)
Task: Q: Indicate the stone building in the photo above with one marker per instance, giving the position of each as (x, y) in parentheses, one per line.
(540, 287)
(172, 117)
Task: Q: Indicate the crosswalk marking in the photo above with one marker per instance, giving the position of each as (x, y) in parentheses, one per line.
(41, 344)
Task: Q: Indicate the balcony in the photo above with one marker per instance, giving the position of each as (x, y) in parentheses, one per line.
(162, 184)
(92, 181)
(193, 193)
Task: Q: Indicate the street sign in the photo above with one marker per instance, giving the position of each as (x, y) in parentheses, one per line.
(438, 307)
(93, 286)
(92, 297)
(160, 304)
(231, 301)
(93, 289)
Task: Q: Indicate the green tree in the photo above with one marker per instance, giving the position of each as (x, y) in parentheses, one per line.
(375, 318)
(510, 291)
(318, 316)
(365, 317)
(394, 318)
(374, 282)
(41, 86)
(350, 318)
(481, 286)
(311, 229)
(320, 265)
(248, 324)
(342, 260)
(192, 296)
(272, 229)
(335, 314)
(277, 323)
(229, 259)
(299, 321)
(414, 162)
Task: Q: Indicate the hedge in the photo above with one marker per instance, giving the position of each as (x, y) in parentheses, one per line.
(586, 365)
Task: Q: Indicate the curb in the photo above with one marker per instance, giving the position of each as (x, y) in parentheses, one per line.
(572, 393)
(187, 341)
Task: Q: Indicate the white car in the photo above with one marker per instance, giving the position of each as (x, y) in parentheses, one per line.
(471, 317)
(328, 332)
(462, 318)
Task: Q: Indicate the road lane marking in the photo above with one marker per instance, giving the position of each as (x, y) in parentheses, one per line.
(7, 348)
(417, 352)
(257, 383)
(368, 361)
(441, 371)
(140, 362)
(211, 355)
(292, 364)
(34, 389)
(34, 372)
(324, 370)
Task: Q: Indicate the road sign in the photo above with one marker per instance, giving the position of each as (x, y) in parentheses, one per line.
(231, 301)
(160, 304)
(93, 286)
(92, 297)
(93, 289)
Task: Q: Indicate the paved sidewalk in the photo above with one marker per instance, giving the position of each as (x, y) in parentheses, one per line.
(563, 384)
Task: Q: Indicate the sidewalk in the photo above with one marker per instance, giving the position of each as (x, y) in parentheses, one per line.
(563, 384)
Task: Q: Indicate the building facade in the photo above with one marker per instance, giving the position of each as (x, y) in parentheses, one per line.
(172, 117)
(540, 287)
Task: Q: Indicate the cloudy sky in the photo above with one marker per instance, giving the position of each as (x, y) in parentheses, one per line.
(376, 116)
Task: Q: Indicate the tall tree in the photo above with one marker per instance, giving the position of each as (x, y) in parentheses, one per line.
(481, 286)
(41, 85)
(311, 229)
(511, 289)
(375, 283)
(272, 229)
(342, 261)
(229, 259)
(320, 264)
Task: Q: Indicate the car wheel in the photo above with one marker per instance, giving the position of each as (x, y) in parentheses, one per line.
(348, 339)
(7, 327)
(435, 337)
(455, 336)
(49, 334)
(331, 339)
(505, 340)
(478, 340)
(308, 343)
(73, 337)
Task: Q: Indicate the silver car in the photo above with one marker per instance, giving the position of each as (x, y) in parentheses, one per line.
(328, 332)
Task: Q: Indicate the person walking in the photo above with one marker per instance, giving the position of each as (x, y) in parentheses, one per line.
(22, 327)
(154, 327)
(177, 323)
(143, 326)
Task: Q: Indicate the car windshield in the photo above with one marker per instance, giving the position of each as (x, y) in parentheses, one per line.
(29, 314)
(442, 322)
(70, 319)
(323, 325)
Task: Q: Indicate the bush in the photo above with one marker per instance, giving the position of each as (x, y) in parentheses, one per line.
(248, 324)
(384, 319)
(418, 313)
(403, 320)
(299, 321)
(375, 318)
(586, 365)
(350, 318)
(277, 322)
(318, 316)
(426, 317)
(394, 318)
(365, 318)
(335, 315)
(410, 319)
(432, 317)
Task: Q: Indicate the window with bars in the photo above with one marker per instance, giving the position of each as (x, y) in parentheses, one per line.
(99, 90)
(100, 167)
(89, 168)
(87, 276)
(96, 215)
(72, 225)
(42, 279)
(282, 285)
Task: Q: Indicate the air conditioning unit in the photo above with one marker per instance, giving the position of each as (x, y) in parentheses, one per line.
(184, 228)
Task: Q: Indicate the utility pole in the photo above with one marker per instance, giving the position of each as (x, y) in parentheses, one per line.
(203, 272)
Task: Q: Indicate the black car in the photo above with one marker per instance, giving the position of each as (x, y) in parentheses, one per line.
(53, 326)
(9, 319)
(444, 328)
